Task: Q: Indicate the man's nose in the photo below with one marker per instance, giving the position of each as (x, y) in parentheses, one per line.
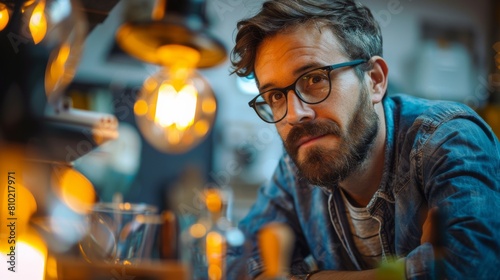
(298, 111)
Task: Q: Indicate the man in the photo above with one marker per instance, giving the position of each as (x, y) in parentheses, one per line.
(363, 171)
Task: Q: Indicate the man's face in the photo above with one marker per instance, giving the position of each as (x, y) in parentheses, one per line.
(327, 141)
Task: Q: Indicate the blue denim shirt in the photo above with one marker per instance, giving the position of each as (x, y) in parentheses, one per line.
(437, 154)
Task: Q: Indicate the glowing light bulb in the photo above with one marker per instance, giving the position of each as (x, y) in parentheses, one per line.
(4, 16)
(175, 109)
(74, 189)
(197, 230)
(213, 200)
(38, 22)
(20, 203)
(24, 250)
(59, 26)
(30, 258)
(215, 251)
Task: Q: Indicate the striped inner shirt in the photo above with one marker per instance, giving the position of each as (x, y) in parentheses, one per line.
(364, 231)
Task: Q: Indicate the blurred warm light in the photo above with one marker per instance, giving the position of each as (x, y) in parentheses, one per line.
(4, 16)
(269, 241)
(176, 102)
(275, 240)
(174, 137)
(215, 250)
(197, 230)
(214, 272)
(126, 206)
(74, 189)
(201, 127)
(178, 55)
(140, 108)
(51, 268)
(209, 106)
(61, 27)
(38, 22)
(176, 107)
(56, 67)
(150, 84)
(31, 254)
(25, 206)
(213, 200)
(18, 203)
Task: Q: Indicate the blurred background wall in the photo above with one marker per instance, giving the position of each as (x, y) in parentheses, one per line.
(442, 49)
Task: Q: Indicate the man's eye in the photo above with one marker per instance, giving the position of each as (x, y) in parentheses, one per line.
(315, 78)
(274, 97)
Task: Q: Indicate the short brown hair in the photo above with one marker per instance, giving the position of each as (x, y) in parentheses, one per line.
(353, 24)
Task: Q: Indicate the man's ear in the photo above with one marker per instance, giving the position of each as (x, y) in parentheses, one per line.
(377, 78)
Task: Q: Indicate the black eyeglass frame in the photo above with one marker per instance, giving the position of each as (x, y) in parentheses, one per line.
(285, 90)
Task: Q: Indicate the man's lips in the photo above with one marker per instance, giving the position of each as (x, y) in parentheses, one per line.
(304, 140)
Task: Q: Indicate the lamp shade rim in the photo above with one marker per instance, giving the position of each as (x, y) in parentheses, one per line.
(143, 39)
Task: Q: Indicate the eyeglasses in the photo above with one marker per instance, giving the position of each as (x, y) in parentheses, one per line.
(312, 87)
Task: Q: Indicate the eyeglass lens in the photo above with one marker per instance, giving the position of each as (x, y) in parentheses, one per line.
(312, 87)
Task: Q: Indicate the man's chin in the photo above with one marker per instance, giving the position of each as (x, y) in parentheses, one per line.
(305, 162)
(321, 179)
(316, 167)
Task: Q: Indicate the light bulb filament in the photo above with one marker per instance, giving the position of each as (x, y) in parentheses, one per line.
(176, 108)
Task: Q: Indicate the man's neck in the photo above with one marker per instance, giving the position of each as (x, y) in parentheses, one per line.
(362, 184)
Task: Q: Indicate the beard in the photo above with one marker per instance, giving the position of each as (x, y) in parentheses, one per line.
(327, 166)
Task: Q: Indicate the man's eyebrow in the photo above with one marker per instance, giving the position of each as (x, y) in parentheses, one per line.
(299, 71)
(265, 87)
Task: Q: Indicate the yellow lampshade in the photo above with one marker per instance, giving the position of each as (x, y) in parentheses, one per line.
(149, 26)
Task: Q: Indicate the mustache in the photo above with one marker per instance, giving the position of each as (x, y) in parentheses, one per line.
(313, 128)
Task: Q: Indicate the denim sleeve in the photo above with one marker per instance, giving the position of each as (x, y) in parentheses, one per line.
(274, 203)
(459, 163)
